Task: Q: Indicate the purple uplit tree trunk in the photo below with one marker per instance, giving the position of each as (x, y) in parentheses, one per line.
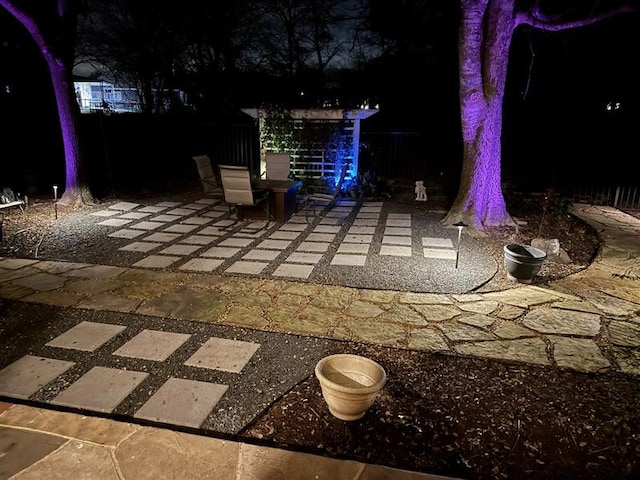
(485, 34)
(57, 50)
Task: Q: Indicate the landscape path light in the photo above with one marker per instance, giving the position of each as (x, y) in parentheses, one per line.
(55, 200)
(460, 226)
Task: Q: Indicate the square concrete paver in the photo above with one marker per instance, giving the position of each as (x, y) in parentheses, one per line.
(365, 222)
(166, 218)
(105, 213)
(236, 242)
(223, 354)
(182, 402)
(167, 203)
(196, 220)
(152, 345)
(214, 214)
(180, 211)
(370, 209)
(195, 205)
(214, 231)
(405, 216)
(395, 250)
(320, 237)
(135, 215)
(199, 239)
(101, 389)
(161, 237)
(284, 235)
(336, 214)
(202, 264)
(298, 219)
(220, 252)
(396, 240)
(140, 246)
(246, 267)
(274, 244)
(147, 225)
(361, 230)
(303, 257)
(342, 208)
(332, 221)
(293, 270)
(358, 238)
(180, 228)
(354, 260)
(294, 227)
(247, 233)
(156, 261)
(401, 231)
(124, 206)
(86, 336)
(313, 247)
(152, 209)
(398, 222)
(126, 233)
(437, 242)
(361, 217)
(115, 222)
(27, 375)
(258, 226)
(267, 255)
(359, 248)
(327, 229)
(180, 249)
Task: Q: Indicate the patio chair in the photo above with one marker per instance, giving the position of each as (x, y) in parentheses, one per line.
(238, 192)
(208, 179)
(317, 199)
(278, 166)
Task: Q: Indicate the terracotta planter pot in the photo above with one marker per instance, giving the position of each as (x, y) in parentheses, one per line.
(350, 384)
(523, 262)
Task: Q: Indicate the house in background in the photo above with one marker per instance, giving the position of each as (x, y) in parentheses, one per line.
(97, 95)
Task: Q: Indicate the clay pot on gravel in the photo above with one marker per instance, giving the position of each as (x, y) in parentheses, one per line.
(522, 262)
(350, 384)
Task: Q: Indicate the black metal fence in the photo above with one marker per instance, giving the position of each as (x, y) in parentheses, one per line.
(134, 151)
(623, 197)
(409, 156)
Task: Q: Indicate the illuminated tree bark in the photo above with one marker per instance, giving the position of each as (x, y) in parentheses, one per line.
(57, 50)
(485, 34)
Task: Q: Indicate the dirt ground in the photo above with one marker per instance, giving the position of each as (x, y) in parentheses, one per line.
(464, 418)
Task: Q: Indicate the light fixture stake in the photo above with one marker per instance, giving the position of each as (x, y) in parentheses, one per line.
(460, 226)
(55, 200)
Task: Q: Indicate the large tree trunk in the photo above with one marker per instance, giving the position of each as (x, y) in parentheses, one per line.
(57, 50)
(485, 34)
(484, 39)
(76, 189)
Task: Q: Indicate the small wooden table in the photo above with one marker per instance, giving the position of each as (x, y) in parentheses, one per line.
(282, 197)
